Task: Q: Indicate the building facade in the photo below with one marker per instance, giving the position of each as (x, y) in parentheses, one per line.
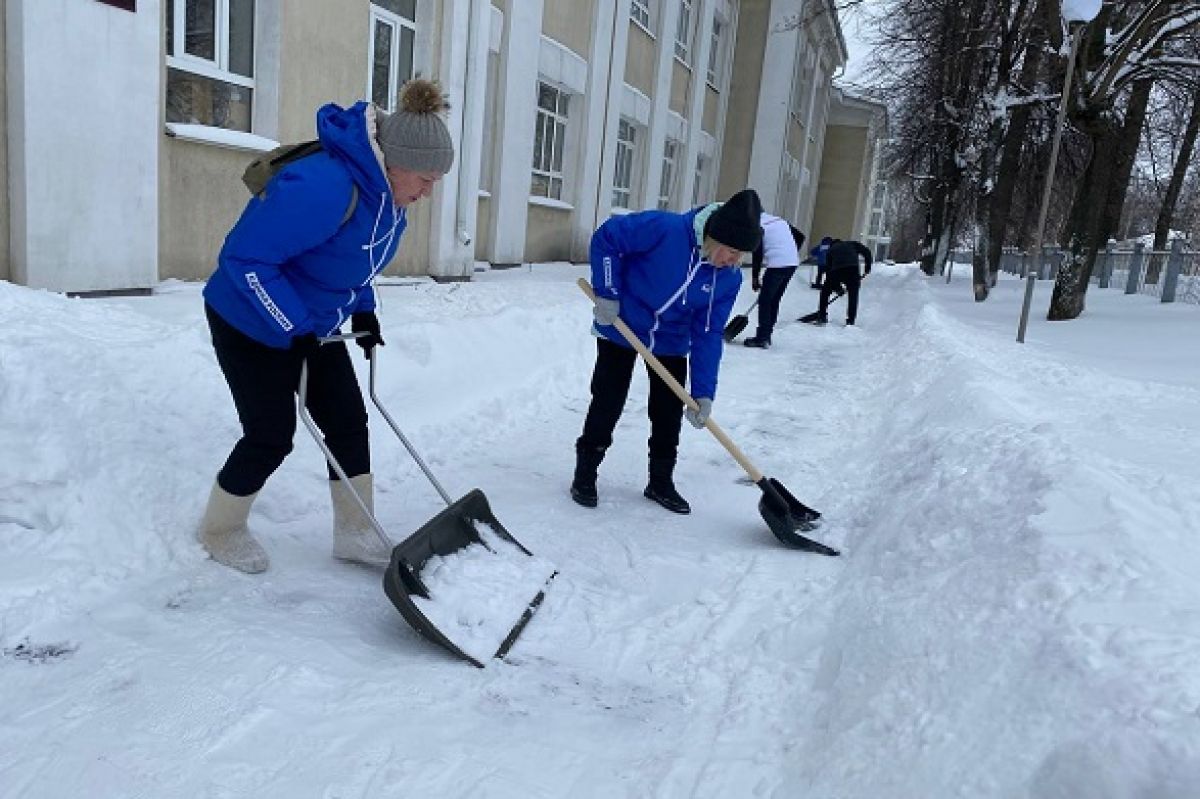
(851, 200)
(563, 113)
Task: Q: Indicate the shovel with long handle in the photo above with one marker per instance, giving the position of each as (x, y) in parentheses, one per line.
(453, 529)
(738, 323)
(782, 512)
(809, 318)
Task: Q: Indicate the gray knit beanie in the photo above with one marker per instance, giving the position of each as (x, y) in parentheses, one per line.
(415, 137)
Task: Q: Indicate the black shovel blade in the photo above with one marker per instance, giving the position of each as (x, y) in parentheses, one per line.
(777, 513)
(736, 325)
(804, 517)
(448, 532)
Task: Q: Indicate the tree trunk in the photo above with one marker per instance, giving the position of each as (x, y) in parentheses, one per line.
(933, 231)
(1127, 147)
(1106, 181)
(1070, 287)
(1183, 160)
(1009, 169)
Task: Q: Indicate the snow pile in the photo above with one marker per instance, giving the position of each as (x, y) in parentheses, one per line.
(1016, 611)
(478, 594)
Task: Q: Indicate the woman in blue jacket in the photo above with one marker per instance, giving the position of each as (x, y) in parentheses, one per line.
(297, 265)
(669, 277)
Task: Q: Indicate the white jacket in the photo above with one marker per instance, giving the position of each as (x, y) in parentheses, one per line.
(779, 248)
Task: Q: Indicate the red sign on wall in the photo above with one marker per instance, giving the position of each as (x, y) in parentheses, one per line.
(128, 5)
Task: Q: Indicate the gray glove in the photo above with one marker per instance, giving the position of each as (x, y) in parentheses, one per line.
(698, 418)
(606, 310)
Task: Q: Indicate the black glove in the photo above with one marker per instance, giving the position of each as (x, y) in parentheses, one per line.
(306, 345)
(366, 322)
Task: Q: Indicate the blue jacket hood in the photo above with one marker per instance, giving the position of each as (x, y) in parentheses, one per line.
(349, 133)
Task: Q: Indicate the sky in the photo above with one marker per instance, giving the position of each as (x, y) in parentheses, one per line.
(1016, 611)
(856, 29)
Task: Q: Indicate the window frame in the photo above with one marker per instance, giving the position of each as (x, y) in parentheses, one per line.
(716, 53)
(640, 8)
(216, 68)
(553, 121)
(626, 155)
(698, 185)
(666, 182)
(398, 22)
(683, 23)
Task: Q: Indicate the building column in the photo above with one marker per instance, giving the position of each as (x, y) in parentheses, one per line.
(606, 77)
(516, 116)
(463, 70)
(771, 121)
(83, 154)
(695, 102)
(661, 101)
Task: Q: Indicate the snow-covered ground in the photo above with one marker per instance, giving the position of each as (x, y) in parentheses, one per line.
(1016, 612)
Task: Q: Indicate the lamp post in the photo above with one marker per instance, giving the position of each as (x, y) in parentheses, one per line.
(1077, 13)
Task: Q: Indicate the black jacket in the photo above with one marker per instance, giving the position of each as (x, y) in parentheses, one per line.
(844, 255)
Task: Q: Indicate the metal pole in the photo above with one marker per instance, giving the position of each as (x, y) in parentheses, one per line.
(1041, 228)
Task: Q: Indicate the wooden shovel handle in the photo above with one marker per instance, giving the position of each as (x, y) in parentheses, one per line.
(679, 390)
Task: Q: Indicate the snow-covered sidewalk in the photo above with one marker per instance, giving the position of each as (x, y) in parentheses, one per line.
(1017, 612)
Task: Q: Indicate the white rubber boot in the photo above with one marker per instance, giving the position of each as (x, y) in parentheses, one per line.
(224, 534)
(354, 537)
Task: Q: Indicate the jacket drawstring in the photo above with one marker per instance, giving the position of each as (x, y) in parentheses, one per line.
(693, 266)
(712, 292)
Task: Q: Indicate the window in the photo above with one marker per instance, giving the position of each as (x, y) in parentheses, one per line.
(623, 168)
(698, 187)
(715, 56)
(639, 10)
(210, 62)
(390, 56)
(802, 87)
(789, 189)
(549, 138)
(667, 183)
(683, 31)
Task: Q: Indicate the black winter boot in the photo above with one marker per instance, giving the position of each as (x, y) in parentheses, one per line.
(661, 487)
(583, 486)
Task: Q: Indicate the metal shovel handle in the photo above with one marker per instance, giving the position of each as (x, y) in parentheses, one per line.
(337, 467)
(679, 390)
(306, 417)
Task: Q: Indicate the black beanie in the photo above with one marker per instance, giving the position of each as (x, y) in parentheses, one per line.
(737, 223)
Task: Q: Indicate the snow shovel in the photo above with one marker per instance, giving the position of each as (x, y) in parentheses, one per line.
(465, 524)
(810, 318)
(782, 512)
(738, 323)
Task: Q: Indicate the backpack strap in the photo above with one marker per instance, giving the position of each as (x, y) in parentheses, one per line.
(353, 204)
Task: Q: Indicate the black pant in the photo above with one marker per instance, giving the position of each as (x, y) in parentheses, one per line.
(847, 280)
(774, 283)
(264, 381)
(610, 387)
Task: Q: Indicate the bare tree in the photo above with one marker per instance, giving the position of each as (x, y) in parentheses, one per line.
(1182, 162)
(1127, 47)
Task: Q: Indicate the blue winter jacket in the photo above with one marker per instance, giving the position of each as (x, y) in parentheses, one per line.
(675, 301)
(290, 266)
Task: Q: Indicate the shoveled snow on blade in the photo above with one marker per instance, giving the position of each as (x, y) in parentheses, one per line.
(478, 593)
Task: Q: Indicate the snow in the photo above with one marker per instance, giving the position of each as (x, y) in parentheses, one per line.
(234, 139)
(1016, 611)
(478, 593)
(1080, 10)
